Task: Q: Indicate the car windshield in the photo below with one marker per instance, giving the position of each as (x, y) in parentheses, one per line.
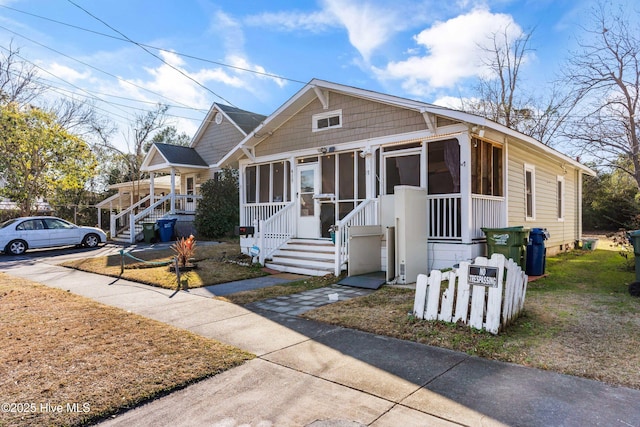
(8, 223)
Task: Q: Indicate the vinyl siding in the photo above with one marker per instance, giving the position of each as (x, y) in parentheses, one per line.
(361, 119)
(546, 175)
(157, 159)
(217, 140)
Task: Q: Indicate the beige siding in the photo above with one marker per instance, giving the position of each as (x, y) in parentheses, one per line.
(547, 170)
(217, 140)
(157, 159)
(361, 119)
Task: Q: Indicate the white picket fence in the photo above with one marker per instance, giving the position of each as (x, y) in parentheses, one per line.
(479, 306)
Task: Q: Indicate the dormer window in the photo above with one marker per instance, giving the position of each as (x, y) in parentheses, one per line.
(329, 120)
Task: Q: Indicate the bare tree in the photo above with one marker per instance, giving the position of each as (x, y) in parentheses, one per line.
(502, 97)
(18, 78)
(605, 75)
(138, 137)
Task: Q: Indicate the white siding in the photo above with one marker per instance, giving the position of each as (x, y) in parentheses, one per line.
(547, 170)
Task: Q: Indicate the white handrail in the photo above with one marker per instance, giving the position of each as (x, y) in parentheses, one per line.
(114, 218)
(275, 231)
(366, 213)
(135, 217)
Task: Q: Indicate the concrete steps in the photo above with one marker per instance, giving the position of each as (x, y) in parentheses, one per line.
(312, 257)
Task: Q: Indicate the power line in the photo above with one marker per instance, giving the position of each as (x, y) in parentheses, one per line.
(152, 54)
(185, 55)
(91, 66)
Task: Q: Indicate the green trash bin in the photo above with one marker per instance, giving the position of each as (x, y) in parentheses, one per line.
(510, 242)
(149, 231)
(634, 239)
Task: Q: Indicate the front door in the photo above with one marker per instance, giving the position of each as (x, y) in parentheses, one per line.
(308, 206)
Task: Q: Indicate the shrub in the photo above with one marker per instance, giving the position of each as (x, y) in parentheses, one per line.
(219, 212)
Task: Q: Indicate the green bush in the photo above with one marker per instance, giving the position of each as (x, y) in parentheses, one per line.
(219, 212)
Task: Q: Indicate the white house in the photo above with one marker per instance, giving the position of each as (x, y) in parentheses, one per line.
(407, 185)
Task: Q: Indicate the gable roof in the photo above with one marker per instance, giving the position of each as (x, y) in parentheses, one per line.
(244, 121)
(319, 89)
(173, 155)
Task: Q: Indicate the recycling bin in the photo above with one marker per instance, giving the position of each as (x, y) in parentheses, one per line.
(537, 252)
(149, 231)
(510, 242)
(165, 229)
(634, 238)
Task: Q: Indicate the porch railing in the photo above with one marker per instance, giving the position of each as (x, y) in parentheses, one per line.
(252, 214)
(275, 231)
(159, 207)
(366, 213)
(444, 216)
(487, 211)
(120, 220)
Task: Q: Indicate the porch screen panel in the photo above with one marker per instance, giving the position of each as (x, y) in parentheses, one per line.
(250, 184)
(328, 164)
(265, 179)
(278, 181)
(346, 178)
(444, 167)
(402, 170)
(486, 169)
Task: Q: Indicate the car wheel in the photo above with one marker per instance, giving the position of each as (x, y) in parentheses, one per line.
(91, 240)
(16, 247)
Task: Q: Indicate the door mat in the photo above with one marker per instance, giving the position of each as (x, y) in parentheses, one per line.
(367, 281)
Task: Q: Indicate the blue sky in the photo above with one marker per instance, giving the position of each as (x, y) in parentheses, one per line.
(426, 50)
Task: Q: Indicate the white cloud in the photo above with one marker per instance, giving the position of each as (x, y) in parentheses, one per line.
(454, 51)
(369, 23)
(67, 73)
(292, 21)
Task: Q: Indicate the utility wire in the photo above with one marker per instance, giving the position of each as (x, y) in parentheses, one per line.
(153, 54)
(222, 64)
(91, 66)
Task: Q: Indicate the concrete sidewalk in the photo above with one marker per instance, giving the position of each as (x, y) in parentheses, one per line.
(308, 373)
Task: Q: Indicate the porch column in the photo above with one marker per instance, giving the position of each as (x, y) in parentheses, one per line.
(241, 193)
(172, 209)
(466, 211)
(152, 190)
(370, 170)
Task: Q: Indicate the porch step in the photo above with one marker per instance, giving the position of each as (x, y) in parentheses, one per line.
(305, 256)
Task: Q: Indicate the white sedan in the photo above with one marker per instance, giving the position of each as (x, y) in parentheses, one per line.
(19, 234)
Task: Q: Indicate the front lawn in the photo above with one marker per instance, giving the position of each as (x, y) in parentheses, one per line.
(67, 360)
(218, 263)
(579, 320)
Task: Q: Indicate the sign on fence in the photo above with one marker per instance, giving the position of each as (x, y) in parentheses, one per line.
(480, 295)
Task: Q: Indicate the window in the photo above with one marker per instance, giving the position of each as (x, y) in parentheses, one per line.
(329, 120)
(530, 191)
(560, 197)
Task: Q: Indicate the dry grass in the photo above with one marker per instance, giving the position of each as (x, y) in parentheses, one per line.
(216, 264)
(580, 320)
(62, 349)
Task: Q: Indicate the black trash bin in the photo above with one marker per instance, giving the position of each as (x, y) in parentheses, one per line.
(165, 228)
(537, 252)
(510, 242)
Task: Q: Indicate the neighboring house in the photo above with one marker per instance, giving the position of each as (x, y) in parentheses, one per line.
(407, 185)
(40, 207)
(176, 173)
